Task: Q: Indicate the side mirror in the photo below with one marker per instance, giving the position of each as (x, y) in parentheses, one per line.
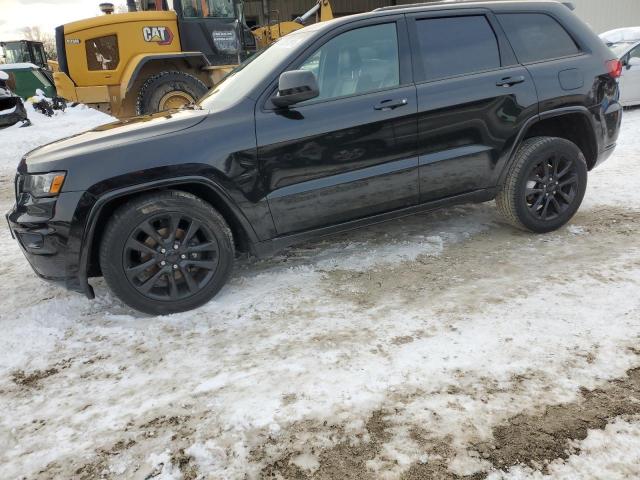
(294, 87)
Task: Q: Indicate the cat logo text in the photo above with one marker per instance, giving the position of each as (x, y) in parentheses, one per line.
(160, 35)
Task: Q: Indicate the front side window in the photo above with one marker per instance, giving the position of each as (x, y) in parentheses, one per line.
(207, 8)
(536, 37)
(102, 53)
(360, 61)
(456, 46)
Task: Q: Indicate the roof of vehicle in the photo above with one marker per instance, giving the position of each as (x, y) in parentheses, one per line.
(18, 66)
(496, 5)
(619, 35)
(19, 41)
(473, 4)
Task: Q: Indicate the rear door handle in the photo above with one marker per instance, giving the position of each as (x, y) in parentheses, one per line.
(390, 104)
(509, 81)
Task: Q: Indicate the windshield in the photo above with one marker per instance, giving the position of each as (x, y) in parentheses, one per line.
(245, 76)
(621, 48)
(16, 53)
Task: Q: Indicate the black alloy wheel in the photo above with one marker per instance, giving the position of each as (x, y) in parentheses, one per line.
(552, 186)
(166, 252)
(544, 185)
(170, 256)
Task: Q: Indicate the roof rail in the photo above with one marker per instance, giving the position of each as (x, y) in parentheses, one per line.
(569, 5)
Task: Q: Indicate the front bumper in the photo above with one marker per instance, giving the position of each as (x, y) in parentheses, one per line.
(50, 238)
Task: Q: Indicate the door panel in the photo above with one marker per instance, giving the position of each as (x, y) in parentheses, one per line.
(339, 160)
(470, 106)
(212, 27)
(630, 85)
(464, 126)
(630, 79)
(350, 152)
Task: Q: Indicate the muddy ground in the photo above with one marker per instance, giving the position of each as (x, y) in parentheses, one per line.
(534, 438)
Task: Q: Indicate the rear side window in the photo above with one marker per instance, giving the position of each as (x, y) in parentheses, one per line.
(457, 45)
(536, 37)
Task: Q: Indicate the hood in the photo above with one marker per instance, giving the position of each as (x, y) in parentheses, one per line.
(109, 136)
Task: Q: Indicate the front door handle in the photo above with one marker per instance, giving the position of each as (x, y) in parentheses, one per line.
(510, 81)
(390, 104)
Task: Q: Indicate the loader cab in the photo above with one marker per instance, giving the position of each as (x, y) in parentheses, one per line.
(24, 51)
(216, 28)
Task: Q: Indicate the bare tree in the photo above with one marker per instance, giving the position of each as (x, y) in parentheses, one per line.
(36, 34)
(124, 8)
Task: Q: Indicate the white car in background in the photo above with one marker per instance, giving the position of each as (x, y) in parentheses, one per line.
(625, 43)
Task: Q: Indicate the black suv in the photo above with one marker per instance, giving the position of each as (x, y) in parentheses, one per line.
(338, 125)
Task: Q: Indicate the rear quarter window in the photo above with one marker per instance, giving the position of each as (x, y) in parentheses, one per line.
(537, 36)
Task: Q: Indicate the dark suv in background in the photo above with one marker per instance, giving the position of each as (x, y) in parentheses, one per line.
(338, 125)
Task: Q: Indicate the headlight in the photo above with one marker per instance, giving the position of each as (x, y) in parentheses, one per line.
(43, 184)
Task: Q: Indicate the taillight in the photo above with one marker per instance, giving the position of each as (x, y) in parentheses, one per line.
(614, 67)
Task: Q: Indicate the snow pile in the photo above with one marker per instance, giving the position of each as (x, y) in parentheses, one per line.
(15, 141)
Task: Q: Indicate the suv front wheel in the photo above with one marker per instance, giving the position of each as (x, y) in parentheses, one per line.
(545, 184)
(166, 252)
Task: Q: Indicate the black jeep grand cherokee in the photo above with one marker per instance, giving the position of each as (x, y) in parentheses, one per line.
(338, 125)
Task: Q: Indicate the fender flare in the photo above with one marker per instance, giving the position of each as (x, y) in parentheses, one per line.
(88, 234)
(558, 112)
(196, 60)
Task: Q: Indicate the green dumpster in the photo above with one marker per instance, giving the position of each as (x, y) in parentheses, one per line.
(26, 78)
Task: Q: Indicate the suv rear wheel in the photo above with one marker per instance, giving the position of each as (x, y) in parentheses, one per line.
(166, 252)
(545, 185)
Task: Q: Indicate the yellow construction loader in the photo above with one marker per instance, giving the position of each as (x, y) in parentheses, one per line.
(156, 58)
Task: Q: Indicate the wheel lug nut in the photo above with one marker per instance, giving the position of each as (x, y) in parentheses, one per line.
(163, 263)
(176, 246)
(183, 256)
(175, 267)
(162, 250)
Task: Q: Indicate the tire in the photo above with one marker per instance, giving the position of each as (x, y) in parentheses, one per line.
(530, 187)
(158, 91)
(138, 248)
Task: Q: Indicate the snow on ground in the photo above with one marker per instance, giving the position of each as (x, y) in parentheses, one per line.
(17, 140)
(374, 354)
